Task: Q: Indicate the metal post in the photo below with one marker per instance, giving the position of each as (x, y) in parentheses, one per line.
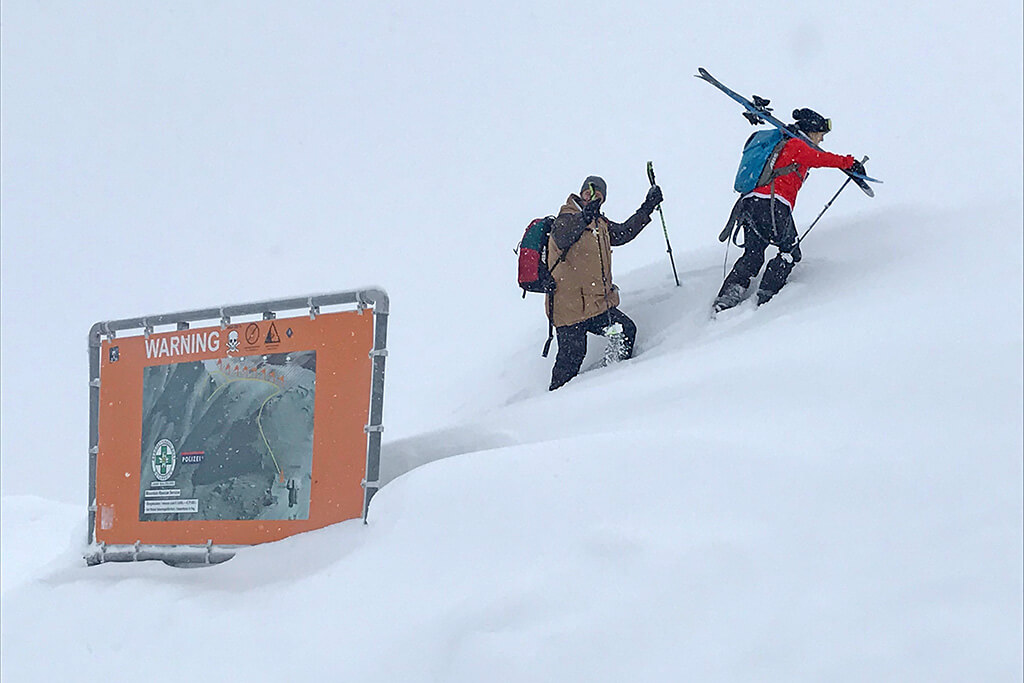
(95, 345)
(375, 427)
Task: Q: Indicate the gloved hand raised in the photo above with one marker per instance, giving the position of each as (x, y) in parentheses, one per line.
(857, 168)
(591, 210)
(654, 197)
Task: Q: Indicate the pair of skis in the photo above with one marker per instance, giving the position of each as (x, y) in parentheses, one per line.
(758, 112)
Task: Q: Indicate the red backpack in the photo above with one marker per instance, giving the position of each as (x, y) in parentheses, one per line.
(534, 275)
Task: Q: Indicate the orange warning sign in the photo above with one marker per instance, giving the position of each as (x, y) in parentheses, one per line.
(239, 434)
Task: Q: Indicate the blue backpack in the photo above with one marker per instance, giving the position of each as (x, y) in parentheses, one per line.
(758, 161)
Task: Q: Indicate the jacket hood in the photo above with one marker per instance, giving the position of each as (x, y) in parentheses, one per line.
(574, 204)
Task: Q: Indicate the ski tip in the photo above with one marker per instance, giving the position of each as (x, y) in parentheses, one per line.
(702, 73)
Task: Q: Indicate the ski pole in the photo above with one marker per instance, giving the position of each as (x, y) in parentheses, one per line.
(848, 179)
(664, 228)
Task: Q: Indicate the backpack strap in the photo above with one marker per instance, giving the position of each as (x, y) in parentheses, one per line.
(731, 222)
(551, 325)
(551, 304)
(561, 257)
(779, 172)
(733, 225)
(770, 173)
(736, 234)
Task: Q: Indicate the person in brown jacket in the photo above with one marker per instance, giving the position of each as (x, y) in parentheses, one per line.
(580, 259)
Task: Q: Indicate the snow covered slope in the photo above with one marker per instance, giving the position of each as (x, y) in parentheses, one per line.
(825, 488)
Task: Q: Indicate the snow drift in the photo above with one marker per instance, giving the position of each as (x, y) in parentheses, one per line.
(826, 488)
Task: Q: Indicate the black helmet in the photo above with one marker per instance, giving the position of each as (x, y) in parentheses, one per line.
(810, 121)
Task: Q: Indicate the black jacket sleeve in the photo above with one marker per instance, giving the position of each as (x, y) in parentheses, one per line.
(621, 233)
(566, 229)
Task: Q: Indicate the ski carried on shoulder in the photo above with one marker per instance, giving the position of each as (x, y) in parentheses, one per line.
(758, 112)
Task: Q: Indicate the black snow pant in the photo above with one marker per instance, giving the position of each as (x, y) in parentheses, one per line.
(760, 229)
(572, 343)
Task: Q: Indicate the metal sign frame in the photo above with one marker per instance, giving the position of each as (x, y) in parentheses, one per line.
(374, 297)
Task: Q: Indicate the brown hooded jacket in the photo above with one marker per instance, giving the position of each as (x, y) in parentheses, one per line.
(584, 275)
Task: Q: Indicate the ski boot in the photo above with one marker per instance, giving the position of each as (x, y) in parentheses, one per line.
(731, 295)
(616, 348)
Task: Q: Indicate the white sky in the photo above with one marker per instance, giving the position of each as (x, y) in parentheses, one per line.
(161, 157)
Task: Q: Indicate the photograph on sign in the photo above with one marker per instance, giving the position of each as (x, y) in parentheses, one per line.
(230, 438)
(233, 434)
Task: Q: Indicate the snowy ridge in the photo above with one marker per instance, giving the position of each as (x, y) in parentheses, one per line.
(825, 488)
(828, 488)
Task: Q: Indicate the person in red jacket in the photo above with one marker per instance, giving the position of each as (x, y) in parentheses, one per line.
(766, 214)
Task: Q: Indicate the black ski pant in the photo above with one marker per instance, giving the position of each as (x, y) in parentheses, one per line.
(765, 222)
(572, 343)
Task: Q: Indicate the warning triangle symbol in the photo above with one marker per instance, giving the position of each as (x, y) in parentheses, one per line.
(272, 336)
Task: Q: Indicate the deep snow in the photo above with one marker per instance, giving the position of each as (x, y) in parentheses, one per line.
(826, 488)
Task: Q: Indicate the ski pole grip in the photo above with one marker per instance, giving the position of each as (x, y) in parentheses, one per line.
(650, 171)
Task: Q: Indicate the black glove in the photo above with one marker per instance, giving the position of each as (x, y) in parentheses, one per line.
(591, 211)
(857, 168)
(654, 198)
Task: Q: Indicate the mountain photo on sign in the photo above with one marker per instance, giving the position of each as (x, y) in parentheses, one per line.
(228, 439)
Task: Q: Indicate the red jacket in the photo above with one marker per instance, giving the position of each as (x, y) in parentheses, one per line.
(806, 157)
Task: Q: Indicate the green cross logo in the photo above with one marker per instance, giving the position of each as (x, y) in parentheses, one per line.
(163, 459)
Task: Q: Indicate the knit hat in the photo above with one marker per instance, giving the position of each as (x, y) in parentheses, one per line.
(810, 121)
(599, 185)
